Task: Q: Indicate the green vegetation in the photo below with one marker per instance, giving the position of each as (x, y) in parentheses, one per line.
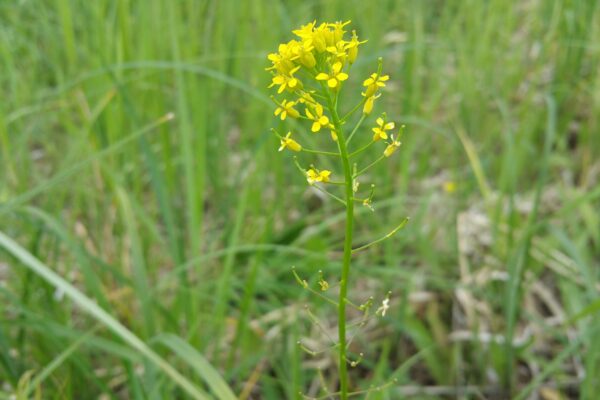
(148, 226)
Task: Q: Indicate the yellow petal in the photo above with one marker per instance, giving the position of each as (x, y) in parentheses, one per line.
(315, 127)
(322, 76)
(379, 121)
(332, 83)
(337, 67)
(389, 125)
(342, 76)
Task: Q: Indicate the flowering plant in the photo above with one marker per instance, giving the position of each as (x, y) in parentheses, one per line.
(309, 74)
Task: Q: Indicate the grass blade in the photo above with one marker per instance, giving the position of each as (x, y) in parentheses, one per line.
(90, 307)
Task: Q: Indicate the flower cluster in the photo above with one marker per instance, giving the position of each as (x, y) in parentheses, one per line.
(309, 72)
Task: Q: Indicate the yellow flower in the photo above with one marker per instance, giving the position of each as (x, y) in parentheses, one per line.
(338, 30)
(314, 175)
(352, 47)
(306, 98)
(282, 60)
(288, 143)
(319, 119)
(336, 76)
(391, 148)
(379, 131)
(306, 31)
(334, 136)
(338, 51)
(368, 107)
(287, 108)
(450, 186)
(287, 81)
(373, 83)
(320, 37)
(303, 52)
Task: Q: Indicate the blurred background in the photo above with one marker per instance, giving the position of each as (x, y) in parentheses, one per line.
(148, 226)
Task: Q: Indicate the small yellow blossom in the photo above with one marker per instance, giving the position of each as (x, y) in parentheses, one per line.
(306, 31)
(287, 81)
(282, 60)
(306, 98)
(314, 175)
(380, 130)
(373, 83)
(334, 135)
(352, 47)
(336, 76)
(391, 148)
(320, 120)
(287, 108)
(288, 143)
(303, 52)
(338, 30)
(450, 186)
(368, 107)
(320, 37)
(324, 285)
(338, 50)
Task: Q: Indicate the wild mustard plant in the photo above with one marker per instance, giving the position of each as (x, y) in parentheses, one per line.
(309, 74)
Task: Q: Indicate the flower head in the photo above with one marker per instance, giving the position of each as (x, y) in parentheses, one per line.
(368, 107)
(319, 120)
(352, 47)
(373, 83)
(392, 146)
(287, 81)
(335, 77)
(287, 108)
(288, 143)
(381, 128)
(313, 175)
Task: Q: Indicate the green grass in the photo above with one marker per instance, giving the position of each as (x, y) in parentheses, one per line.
(148, 226)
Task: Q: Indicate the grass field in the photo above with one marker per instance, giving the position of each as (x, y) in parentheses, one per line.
(148, 226)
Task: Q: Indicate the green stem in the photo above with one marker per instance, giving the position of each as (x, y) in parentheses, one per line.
(358, 124)
(343, 371)
(361, 149)
(362, 171)
(325, 153)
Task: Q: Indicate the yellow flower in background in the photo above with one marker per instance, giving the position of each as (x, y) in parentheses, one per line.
(314, 175)
(380, 130)
(288, 143)
(287, 108)
(320, 120)
(373, 83)
(392, 147)
(450, 186)
(336, 76)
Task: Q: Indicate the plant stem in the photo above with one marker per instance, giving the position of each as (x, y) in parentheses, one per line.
(343, 371)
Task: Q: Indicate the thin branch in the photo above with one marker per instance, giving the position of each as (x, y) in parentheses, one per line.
(358, 124)
(389, 235)
(359, 173)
